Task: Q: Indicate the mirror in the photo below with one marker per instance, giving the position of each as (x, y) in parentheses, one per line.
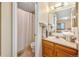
(62, 19)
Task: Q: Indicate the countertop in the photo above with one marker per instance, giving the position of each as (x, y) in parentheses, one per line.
(62, 42)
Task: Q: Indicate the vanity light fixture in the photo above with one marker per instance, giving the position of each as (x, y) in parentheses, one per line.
(74, 16)
(58, 5)
(65, 3)
(52, 7)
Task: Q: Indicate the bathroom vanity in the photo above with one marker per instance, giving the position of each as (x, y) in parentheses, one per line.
(52, 48)
(62, 33)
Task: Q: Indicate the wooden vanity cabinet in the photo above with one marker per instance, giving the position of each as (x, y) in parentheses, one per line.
(50, 49)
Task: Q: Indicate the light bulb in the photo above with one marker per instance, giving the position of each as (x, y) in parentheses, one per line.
(52, 7)
(65, 4)
(58, 4)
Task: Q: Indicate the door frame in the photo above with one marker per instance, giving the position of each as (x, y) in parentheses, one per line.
(14, 29)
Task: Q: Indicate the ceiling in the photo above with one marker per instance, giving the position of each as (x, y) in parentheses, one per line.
(27, 6)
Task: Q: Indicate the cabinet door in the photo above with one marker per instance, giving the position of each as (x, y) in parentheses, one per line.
(63, 51)
(48, 49)
(47, 52)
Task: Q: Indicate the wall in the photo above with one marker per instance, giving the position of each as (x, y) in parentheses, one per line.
(0, 29)
(78, 16)
(78, 24)
(41, 12)
(6, 19)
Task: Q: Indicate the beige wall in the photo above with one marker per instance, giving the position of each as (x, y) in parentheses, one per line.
(43, 12)
(78, 14)
(6, 29)
(42, 17)
(78, 25)
(0, 28)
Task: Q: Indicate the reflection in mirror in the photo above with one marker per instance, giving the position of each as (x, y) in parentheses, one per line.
(62, 19)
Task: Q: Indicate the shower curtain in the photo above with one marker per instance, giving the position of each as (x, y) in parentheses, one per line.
(25, 29)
